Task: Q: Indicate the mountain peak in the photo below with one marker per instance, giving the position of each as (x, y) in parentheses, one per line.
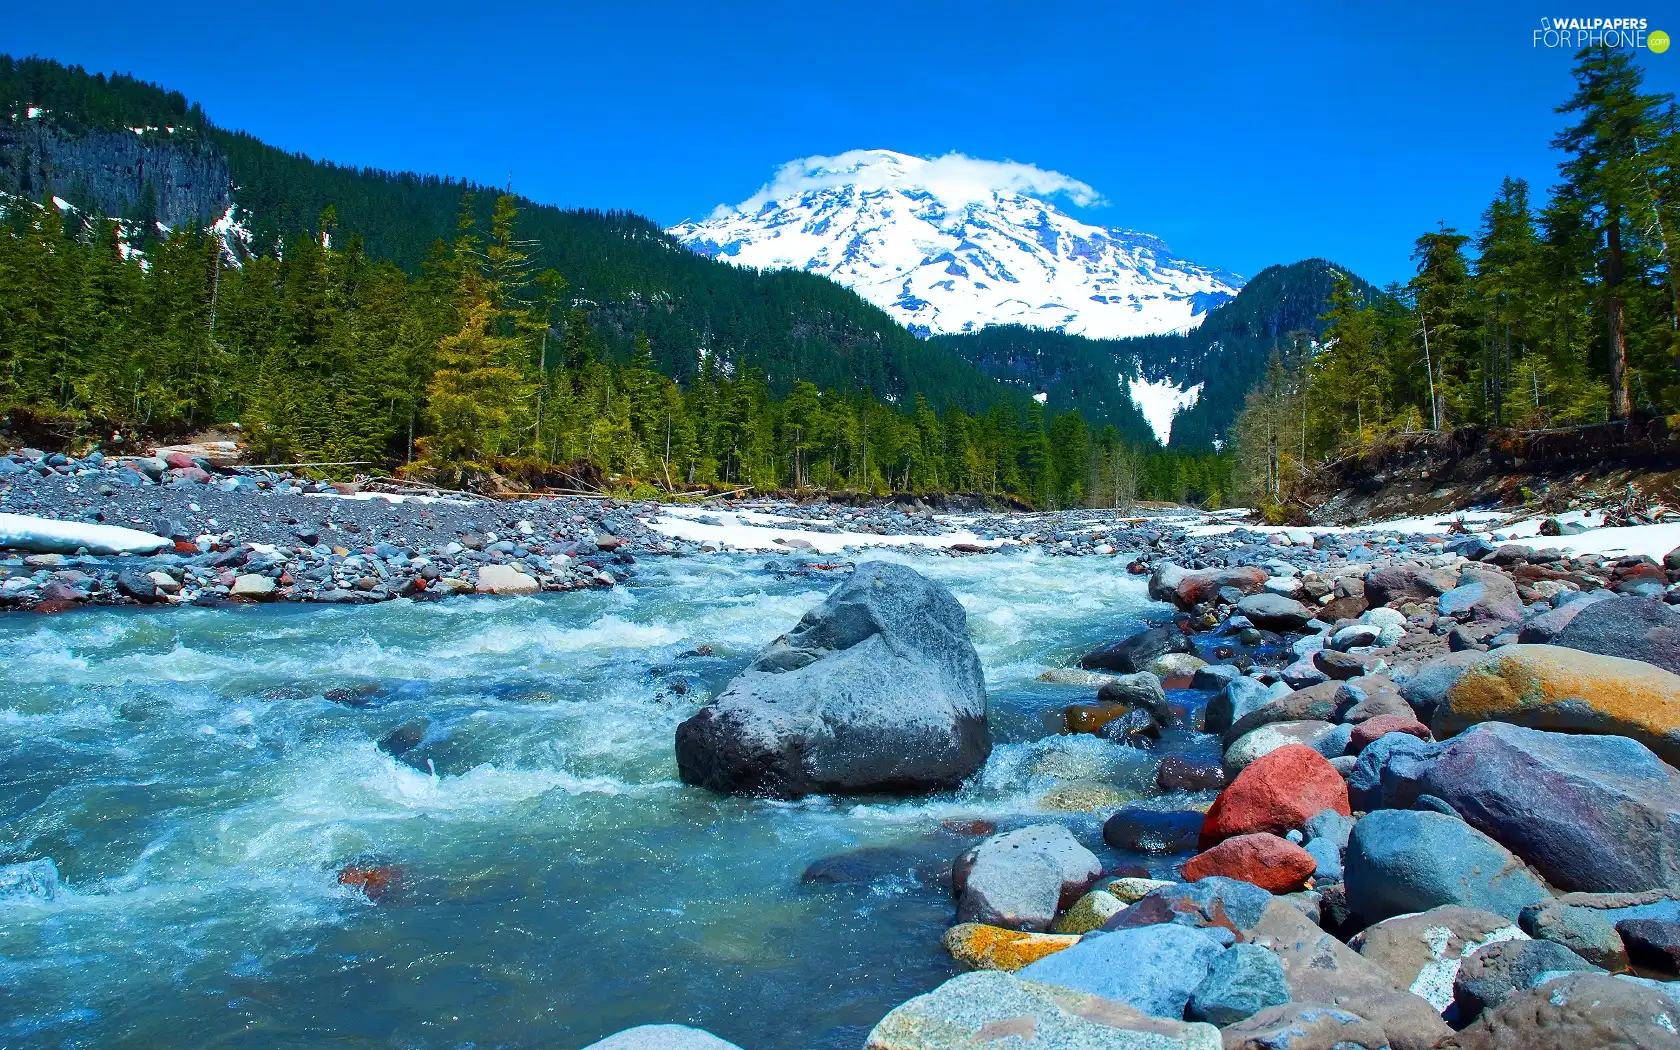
(954, 244)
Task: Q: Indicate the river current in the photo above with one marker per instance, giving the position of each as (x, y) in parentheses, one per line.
(202, 777)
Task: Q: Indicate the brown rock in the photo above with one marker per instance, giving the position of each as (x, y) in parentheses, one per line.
(1372, 728)
(1577, 1012)
(1267, 861)
(1303, 1026)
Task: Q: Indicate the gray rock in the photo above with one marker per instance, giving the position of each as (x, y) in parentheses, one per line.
(1633, 628)
(989, 1008)
(1274, 612)
(1485, 595)
(1242, 981)
(662, 1037)
(1586, 923)
(1401, 861)
(1151, 968)
(876, 689)
(1133, 654)
(1577, 1011)
(1141, 689)
(1304, 1026)
(1215, 676)
(1543, 627)
(1268, 738)
(1237, 699)
(1593, 813)
(1390, 771)
(1488, 975)
(1018, 879)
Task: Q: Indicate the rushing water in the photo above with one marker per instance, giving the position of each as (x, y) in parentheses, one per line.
(200, 794)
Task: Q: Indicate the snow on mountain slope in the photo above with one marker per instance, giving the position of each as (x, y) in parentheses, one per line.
(955, 244)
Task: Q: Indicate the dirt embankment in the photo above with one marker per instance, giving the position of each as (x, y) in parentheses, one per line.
(1546, 471)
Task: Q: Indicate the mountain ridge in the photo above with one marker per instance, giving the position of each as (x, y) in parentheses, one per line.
(955, 244)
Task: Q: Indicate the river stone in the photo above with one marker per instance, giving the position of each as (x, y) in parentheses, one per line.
(981, 947)
(1401, 861)
(1423, 951)
(1406, 583)
(1275, 793)
(1237, 699)
(1152, 830)
(1553, 687)
(876, 689)
(1214, 676)
(662, 1037)
(1390, 771)
(1089, 913)
(1132, 655)
(1152, 968)
(1266, 860)
(1484, 595)
(1488, 975)
(1643, 629)
(1265, 739)
(1594, 813)
(1181, 774)
(1321, 969)
(1653, 944)
(252, 587)
(1317, 702)
(505, 579)
(29, 880)
(1586, 922)
(1274, 612)
(1428, 686)
(1141, 689)
(989, 1008)
(1575, 1012)
(1216, 903)
(1546, 626)
(1304, 1026)
(1242, 981)
(1018, 879)
(1186, 589)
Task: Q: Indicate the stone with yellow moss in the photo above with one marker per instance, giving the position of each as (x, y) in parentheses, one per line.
(1566, 690)
(1084, 796)
(982, 947)
(1089, 913)
(1129, 890)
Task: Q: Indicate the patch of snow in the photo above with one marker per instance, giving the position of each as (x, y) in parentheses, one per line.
(752, 531)
(61, 204)
(1042, 398)
(35, 112)
(1160, 401)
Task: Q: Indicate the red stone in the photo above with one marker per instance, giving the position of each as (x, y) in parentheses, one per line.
(373, 880)
(185, 547)
(1277, 792)
(1200, 586)
(179, 460)
(1267, 861)
(1382, 725)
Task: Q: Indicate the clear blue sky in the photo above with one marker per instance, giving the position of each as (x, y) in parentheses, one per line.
(1242, 136)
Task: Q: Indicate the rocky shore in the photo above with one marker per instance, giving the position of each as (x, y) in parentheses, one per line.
(1446, 816)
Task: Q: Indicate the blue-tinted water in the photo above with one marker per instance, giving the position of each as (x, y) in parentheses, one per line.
(200, 794)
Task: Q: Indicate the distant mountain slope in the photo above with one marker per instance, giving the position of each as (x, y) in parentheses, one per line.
(114, 145)
(937, 244)
(1116, 380)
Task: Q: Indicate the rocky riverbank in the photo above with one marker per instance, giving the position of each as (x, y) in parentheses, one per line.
(1446, 816)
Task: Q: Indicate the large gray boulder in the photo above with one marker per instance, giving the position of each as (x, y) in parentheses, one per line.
(1632, 628)
(877, 689)
(1403, 861)
(1152, 968)
(1595, 813)
(662, 1037)
(1019, 879)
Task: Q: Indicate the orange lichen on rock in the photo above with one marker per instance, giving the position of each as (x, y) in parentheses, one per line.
(1090, 718)
(982, 947)
(1554, 688)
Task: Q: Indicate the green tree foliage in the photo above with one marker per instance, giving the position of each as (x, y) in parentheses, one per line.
(1552, 315)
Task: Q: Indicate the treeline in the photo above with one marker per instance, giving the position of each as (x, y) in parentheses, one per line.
(1553, 313)
(476, 371)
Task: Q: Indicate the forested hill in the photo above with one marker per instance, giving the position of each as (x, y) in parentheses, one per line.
(116, 146)
(1227, 353)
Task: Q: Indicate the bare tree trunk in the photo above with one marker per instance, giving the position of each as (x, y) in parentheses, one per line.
(1619, 399)
(1429, 366)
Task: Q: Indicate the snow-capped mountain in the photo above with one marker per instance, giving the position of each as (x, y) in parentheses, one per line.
(955, 244)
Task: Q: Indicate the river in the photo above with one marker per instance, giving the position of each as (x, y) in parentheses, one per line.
(552, 880)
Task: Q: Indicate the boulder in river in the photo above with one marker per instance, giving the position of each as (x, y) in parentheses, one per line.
(877, 689)
(1019, 879)
(1134, 653)
(1274, 612)
(1644, 629)
(1557, 688)
(662, 1037)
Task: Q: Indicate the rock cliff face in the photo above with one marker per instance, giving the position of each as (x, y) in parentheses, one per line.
(149, 175)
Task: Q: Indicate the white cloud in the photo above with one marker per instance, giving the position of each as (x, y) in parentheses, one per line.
(955, 178)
